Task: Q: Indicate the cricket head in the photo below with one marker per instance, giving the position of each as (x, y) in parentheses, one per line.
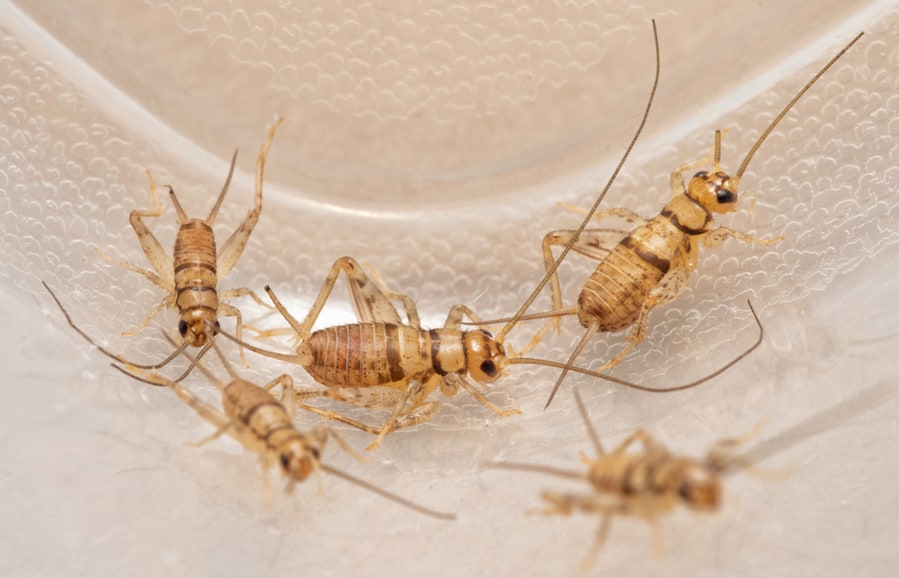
(298, 457)
(196, 327)
(485, 356)
(716, 192)
(700, 488)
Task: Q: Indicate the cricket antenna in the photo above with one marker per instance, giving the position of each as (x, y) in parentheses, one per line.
(549, 273)
(385, 494)
(789, 105)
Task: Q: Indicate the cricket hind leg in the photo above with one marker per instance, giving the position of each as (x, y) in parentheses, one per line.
(232, 249)
(595, 244)
(369, 302)
(618, 212)
(411, 416)
(163, 273)
(460, 312)
(158, 257)
(408, 304)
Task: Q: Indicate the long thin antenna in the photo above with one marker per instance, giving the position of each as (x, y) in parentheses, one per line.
(195, 362)
(296, 325)
(228, 367)
(140, 378)
(624, 382)
(181, 349)
(572, 310)
(551, 271)
(289, 358)
(385, 494)
(582, 409)
(213, 212)
(789, 105)
(588, 335)
(524, 467)
(105, 351)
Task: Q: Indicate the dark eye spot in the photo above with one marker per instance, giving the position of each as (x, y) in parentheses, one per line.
(285, 460)
(217, 327)
(315, 453)
(489, 368)
(725, 197)
(182, 328)
(701, 175)
(684, 492)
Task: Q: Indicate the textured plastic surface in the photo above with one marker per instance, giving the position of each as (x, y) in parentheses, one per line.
(434, 141)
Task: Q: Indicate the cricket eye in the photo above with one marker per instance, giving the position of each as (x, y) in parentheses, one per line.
(725, 197)
(489, 368)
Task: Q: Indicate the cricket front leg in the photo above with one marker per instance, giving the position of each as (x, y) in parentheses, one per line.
(451, 382)
(718, 235)
(228, 310)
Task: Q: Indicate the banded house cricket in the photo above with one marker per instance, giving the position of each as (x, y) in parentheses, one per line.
(190, 276)
(645, 484)
(256, 419)
(652, 481)
(382, 362)
(649, 265)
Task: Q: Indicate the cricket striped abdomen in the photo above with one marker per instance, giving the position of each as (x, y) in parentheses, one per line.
(195, 280)
(658, 476)
(249, 404)
(635, 474)
(615, 292)
(369, 354)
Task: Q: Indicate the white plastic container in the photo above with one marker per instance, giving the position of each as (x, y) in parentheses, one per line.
(434, 142)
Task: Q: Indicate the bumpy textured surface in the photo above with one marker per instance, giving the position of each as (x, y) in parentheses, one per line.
(434, 142)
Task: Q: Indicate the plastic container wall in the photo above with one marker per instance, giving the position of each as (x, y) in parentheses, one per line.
(434, 142)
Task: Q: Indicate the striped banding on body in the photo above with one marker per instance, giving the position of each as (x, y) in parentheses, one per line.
(672, 217)
(647, 256)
